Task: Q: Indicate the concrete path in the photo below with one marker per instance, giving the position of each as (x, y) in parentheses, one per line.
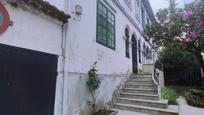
(121, 112)
(186, 109)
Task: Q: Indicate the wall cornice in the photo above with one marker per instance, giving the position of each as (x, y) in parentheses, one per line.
(122, 9)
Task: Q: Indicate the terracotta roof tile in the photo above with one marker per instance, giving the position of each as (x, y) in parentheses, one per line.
(44, 7)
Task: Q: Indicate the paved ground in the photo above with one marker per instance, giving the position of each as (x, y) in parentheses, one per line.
(189, 110)
(120, 112)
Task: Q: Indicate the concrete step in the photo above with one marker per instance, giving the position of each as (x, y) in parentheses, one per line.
(140, 83)
(140, 91)
(140, 79)
(139, 96)
(142, 86)
(144, 109)
(142, 102)
(141, 75)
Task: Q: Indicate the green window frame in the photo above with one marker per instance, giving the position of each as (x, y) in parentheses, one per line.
(105, 26)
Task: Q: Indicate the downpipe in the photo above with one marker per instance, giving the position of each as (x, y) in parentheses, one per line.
(63, 56)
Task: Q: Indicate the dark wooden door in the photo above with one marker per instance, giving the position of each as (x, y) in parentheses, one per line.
(134, 54)
(27, 81)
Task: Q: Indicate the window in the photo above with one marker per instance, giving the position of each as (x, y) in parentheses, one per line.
(137, 9)
(144, 49)
(139, 45)
(143, 17)
(127, 52)
(128, 2)
(105, 26)
(148, 21)
(144, 52)
(149, 53)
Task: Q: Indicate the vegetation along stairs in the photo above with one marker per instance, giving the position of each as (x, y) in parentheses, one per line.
(140, 94)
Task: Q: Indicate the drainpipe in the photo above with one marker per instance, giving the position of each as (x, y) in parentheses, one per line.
(64, 46)
(63, 56)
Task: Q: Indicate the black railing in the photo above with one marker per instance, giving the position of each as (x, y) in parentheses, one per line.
(187, 78)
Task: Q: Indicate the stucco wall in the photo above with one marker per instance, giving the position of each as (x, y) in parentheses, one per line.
(77, 94)
(60, 4)
(82, 51)
(32, 30)
(35, 31)
(82, 48)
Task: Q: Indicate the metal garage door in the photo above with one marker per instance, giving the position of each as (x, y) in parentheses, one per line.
(27, 81)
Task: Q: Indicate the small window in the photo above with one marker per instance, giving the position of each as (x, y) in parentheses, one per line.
(138, 4)
(139, 45)
(149, 53)
(137, 9)
(128, 2)
(143, 17)
(144, 49)
(127, 52)
(148, 21)
(105, 26)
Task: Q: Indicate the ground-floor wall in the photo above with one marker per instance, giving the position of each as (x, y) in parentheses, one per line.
(76, 93)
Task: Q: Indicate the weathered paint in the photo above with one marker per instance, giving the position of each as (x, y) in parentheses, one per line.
(36, 31)
(33, 31)
(60, 4)
(82, 51)
(77, 93)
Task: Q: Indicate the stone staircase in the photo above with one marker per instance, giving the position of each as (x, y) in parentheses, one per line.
(140, 94)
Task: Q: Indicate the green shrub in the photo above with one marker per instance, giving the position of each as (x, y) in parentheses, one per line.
(195, 97)
(169, 94)
(180, 67)
(93, 84)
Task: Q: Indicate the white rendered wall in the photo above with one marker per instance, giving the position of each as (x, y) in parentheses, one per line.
(58, 3)
(32, 31)
(82, 51)
(77, 94)
(35, 31)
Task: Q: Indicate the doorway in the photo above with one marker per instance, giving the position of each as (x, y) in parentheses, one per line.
(134, 54)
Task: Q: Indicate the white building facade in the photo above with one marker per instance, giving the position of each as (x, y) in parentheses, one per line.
(31, 56)
(108, 32)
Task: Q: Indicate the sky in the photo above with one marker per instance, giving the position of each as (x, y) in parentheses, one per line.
(158, 4)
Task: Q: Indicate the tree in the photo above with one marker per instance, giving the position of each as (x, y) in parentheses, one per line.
(180, 67)
(181, 28)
